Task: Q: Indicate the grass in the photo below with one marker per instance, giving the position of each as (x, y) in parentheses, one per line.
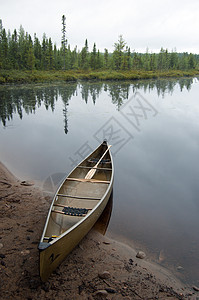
(15, 76)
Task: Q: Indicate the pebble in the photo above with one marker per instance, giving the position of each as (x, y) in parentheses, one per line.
(1, 245)
(25, 252)
(111, 290)
(3, 263)
(104, 275)
(140, 255)
(102, 293)
(130, 261)
(27, 183)
(196, 288)
(179, 268)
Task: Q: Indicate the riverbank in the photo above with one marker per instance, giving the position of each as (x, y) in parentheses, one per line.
(99, 268)
(14, 76)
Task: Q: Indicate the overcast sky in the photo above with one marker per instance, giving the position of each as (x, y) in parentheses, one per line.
(171, 24)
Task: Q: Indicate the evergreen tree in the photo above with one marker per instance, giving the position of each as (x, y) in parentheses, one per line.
(50, 56)
(4, 49)
(84, 57)
(30, 58)
(118, 53)
(37, 53)
(191, 61)
(106, 59)
(44, 53)
(93, 58)
(64, 40)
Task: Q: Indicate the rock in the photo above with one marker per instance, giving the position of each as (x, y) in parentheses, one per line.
(162, 256)
(130, 261)
(101, 293)
(106, 243)
(27, 183)
(25, 252)
(104, 275)
(1, 245)
(111, 290)
(180, 268)
(3, 263)
(196, 288)
(140, 255)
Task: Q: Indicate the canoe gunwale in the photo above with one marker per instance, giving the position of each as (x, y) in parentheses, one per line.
(41, 245)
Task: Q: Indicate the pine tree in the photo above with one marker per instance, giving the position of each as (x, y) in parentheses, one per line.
(50, 56)
(64, 40)
(4, 49)
(37, 52)
(84, 57)
(118, 53)
(93, 58)
(106, 59)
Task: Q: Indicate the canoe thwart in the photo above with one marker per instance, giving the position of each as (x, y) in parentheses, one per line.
(103, 169)
(78, 197)
(87, 180)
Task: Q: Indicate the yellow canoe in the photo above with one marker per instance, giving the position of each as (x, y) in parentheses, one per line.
(76, 206)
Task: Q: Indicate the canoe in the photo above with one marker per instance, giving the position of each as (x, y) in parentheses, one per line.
(76, 206)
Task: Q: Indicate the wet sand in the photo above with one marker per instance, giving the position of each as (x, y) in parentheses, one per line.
(98, 268)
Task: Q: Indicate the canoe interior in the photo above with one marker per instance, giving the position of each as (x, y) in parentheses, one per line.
(76, 198)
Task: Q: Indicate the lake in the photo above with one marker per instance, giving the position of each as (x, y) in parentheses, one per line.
(153, 127)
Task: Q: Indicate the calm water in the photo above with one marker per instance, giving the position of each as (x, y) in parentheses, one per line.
(154, 129)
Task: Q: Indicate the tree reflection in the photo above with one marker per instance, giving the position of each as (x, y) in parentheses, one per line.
(28, 99)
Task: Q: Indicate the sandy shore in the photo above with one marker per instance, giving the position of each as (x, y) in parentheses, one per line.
(99, 268)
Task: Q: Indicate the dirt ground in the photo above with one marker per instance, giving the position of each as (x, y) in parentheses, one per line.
(98, 268)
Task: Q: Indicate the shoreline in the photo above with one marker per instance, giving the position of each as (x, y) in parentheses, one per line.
(98, 263)
(35, 76)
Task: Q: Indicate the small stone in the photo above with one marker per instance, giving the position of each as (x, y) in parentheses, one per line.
(140, 255)
(27, 183)
(130, 261)
(3, 263)
(101, 293)
(106, 243)
(179, 268)
(111, 290)
(196, 288)
(1, 245)
(25, 252)
(104, 275)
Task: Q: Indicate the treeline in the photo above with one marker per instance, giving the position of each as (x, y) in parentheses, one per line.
(20, 51)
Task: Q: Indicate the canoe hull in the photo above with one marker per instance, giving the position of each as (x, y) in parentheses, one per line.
(51, 257)
(54, 252)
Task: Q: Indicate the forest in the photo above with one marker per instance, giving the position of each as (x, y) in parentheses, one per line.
(20, 51)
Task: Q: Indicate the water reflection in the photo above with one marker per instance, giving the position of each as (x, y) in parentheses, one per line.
(29, 98)
(102, 223)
